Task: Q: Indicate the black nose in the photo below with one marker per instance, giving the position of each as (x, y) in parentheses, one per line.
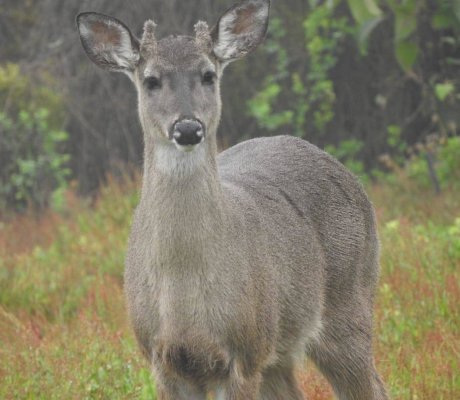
(188, 132)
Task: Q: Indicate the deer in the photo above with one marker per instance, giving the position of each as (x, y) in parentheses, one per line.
(240, 265)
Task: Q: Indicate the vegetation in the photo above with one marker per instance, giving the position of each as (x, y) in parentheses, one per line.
(33, 170)
(365, 78)
(375, 83)
(63, 324)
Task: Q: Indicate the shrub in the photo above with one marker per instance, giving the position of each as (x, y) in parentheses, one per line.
(447, 165)
(33, 169)
(32, 159)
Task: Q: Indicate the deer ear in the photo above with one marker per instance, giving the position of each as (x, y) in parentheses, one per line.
(108, 42)
(240, 29)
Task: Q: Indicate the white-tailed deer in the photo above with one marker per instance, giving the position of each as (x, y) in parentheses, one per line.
(241, 262)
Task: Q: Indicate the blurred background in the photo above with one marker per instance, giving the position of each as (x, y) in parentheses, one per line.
(373, 82)
(376, 83)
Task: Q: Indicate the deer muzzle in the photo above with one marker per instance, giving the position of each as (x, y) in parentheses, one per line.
(187, 133)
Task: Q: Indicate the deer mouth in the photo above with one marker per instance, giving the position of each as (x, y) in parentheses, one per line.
(185, 148)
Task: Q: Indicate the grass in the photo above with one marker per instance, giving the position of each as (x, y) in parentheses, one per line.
(63, 327)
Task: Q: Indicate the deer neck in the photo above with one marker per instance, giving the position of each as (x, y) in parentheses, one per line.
(182, 201)
(165, 167)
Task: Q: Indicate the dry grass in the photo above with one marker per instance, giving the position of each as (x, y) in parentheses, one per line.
(63, 328)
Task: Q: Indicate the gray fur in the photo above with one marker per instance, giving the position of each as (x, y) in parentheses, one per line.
(241, 263)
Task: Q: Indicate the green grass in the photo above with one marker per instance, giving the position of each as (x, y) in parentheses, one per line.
(63, 325)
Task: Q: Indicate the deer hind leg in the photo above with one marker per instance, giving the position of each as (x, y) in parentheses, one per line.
(179, 392)
(240, 387)
(344, 357)
(279, 382)
(244, 389)
(169, 388)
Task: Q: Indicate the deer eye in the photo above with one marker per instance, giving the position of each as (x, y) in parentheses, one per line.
(208, 78)
(152, 83)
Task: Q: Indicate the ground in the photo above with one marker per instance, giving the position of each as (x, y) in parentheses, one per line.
(63, 325)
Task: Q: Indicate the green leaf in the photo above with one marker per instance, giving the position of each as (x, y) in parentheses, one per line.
(298, 86)
(405, 25)
(365, 31)
(394, 135)
(27, 167)
(59, 136)
(367, 15)
(443, 90)
(406, 54)
(456, 8)
(443, 20)
(364, 10)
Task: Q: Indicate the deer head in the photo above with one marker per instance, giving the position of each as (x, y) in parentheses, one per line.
(177, 78)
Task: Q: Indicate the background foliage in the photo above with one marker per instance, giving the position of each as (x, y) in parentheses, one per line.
(375, 83)
(32, 160)
(360, 78)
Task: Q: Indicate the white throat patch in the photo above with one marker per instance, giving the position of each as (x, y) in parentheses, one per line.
(173, 162)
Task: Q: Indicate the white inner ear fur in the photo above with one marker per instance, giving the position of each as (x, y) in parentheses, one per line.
(229, 45)
(122, 55)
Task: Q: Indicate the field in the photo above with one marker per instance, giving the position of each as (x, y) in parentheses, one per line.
(64, 332)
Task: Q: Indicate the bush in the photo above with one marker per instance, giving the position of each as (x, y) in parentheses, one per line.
(32, 159)
(33, 170)
(301, 99)
(447, 165)
(347, 152)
